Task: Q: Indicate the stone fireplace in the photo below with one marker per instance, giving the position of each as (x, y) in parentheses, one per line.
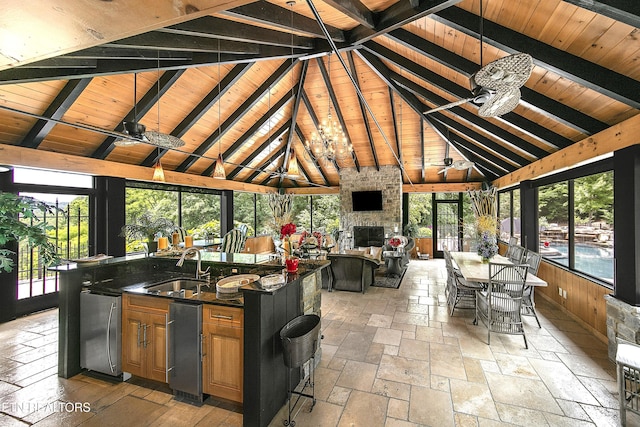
(623, 321)
(388, 180)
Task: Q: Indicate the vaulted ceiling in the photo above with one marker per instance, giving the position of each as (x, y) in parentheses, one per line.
(253, 80)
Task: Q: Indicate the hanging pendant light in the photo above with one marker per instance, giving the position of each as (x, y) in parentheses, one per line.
(218, 168)
(293, 170)
(158, 172)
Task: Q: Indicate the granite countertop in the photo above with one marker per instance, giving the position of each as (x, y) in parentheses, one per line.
(135, 274)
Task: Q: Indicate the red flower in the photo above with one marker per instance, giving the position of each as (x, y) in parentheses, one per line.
(395, 242)
(287, 230)
(303, 238)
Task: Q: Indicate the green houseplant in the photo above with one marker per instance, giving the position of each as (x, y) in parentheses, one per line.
(21, 218)
(146, 228)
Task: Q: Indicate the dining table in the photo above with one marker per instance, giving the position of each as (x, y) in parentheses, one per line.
(473, 269)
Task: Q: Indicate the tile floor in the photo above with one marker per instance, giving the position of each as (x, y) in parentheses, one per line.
(389, 358)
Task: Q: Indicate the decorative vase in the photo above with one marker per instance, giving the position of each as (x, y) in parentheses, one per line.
(152, 246)
(485, 260)
(292, 264)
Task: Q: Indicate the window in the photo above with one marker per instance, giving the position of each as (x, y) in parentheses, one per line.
(195, 210)
(576, 221)
(244, 208)
(509, 214)
(421, 213)
(264, 217)
(301, 212)
(326, 213)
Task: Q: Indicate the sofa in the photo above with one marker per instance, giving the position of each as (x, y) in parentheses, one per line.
(349, 272)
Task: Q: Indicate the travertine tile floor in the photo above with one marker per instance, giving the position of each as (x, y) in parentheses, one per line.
(389, 358)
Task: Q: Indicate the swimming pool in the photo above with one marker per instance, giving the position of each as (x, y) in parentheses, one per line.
(593, 260)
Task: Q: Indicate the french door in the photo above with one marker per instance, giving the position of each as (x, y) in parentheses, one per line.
(447, 225)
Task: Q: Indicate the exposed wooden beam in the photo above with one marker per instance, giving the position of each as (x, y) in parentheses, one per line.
(28, 157)
(627, 11)
(363, 111)
(269, 14)
(355, 10)
(443, 187)
(71, 26)
(141, 108)
(157, 40)
(394, 117)
(312, 190)
(574, 68)
(423, 175)
(58, 107)
(397, 15)
(210, 26)
(294, 112)
(618, 136)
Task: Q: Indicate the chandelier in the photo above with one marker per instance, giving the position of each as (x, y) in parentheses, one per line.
(330, 143)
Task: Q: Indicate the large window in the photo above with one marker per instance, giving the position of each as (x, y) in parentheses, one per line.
(509, 215)
(576, 223)
(326, 213)
(421, 213)
(244, 209)
(195, 210)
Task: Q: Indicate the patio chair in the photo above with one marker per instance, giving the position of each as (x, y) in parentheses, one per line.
(458, 292)
(498, 307)
(233, 241)
(517, 254)
(532, 260)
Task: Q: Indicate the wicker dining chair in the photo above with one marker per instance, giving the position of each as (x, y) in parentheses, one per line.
(459, 292)
(517, 254)
(498, 307)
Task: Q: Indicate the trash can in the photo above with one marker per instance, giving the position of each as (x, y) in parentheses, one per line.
(300, 338)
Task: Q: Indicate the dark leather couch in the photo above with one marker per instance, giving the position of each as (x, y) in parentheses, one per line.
(349, 272)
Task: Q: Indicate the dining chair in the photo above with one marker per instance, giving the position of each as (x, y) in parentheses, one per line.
(498, 307)
(459, 293)
(517, 254)
(532, 260)
(233, 241)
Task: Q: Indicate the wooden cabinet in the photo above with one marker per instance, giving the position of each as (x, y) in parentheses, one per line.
(223, 347)
(144, 336)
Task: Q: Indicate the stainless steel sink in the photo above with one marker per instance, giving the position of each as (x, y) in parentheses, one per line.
(179, 287)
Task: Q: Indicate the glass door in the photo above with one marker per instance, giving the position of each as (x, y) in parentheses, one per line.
(447, 225)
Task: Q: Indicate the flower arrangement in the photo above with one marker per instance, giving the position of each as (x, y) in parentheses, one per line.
(318, 237)
(285, 232)
(487, 247)
(395, 242)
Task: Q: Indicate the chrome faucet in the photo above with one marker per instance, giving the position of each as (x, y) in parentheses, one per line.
(200, 274)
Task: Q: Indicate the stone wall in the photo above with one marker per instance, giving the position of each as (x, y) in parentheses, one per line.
(623, 321)
(388, 180)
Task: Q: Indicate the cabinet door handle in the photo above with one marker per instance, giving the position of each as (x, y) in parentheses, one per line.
(144, 335)
(167, 322)
(220, 316)
(139, 326)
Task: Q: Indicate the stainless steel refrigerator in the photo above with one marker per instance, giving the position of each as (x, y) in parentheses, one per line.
(100, 333)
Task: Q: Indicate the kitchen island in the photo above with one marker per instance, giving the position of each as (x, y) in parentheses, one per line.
(264, 312)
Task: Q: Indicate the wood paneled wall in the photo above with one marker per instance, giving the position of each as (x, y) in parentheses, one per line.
(424, 245)
(585, 299)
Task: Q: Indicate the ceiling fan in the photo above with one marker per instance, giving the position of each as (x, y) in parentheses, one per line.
(496, 86)
(449, 163)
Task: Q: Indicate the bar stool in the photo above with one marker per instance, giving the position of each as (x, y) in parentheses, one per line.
(628, 367)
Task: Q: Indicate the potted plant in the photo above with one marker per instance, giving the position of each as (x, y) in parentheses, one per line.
(146, 228)
(14, 207)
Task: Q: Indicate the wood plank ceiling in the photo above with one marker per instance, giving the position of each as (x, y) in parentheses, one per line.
(252, 80)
